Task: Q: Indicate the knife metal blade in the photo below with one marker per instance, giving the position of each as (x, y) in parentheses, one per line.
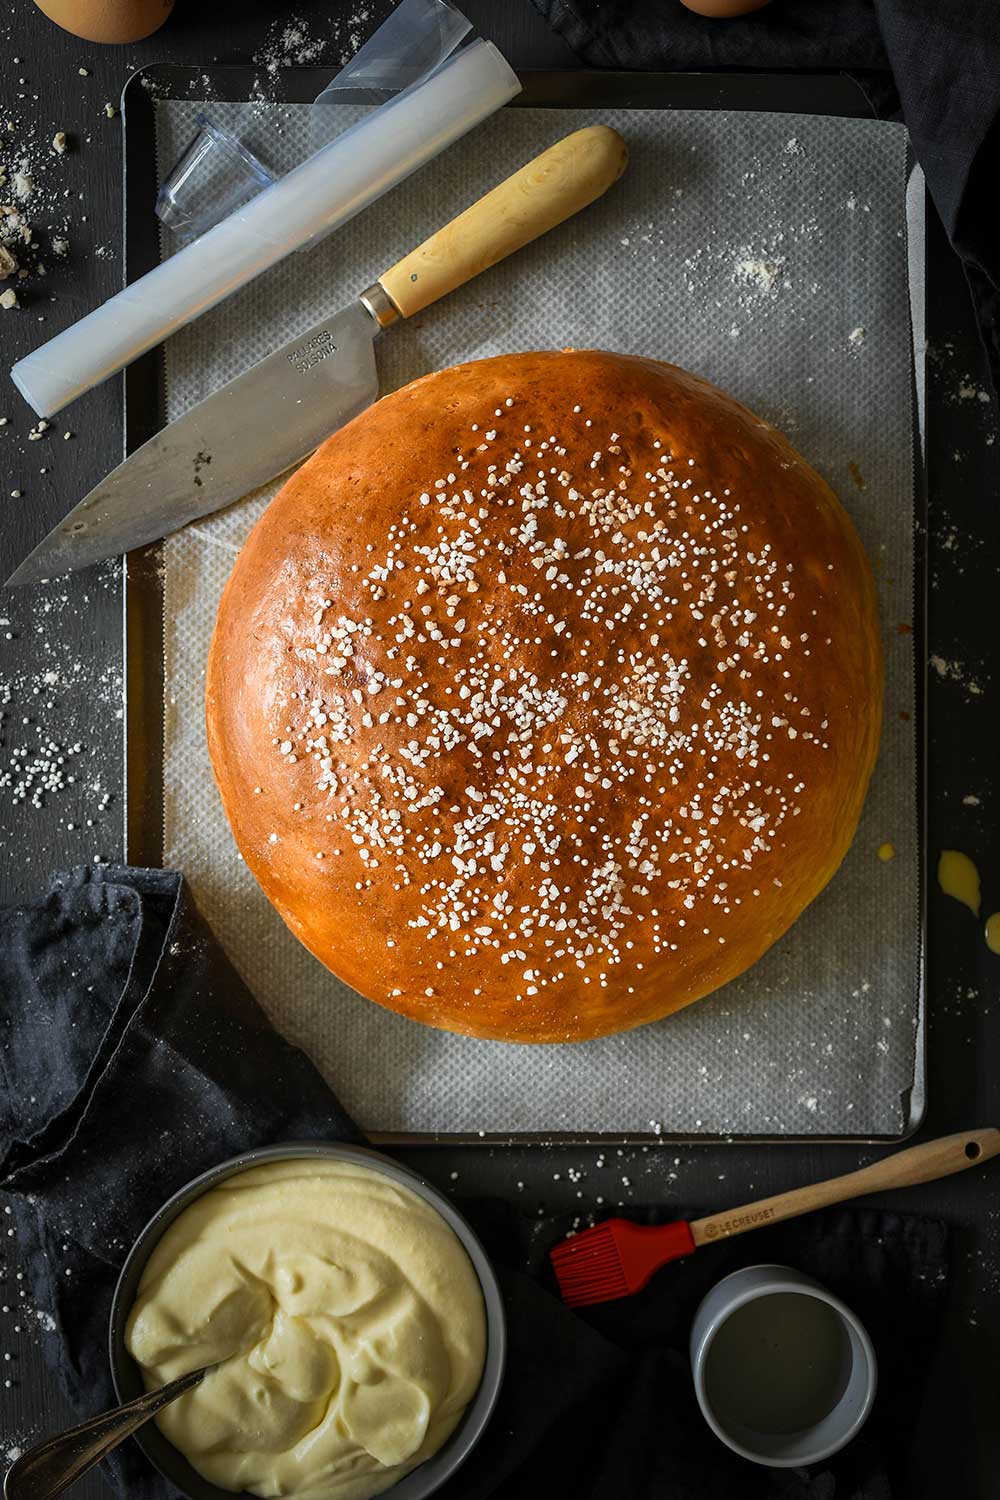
(245, 433)
(280, 410)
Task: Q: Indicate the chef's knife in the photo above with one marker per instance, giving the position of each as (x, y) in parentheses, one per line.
(265, 421)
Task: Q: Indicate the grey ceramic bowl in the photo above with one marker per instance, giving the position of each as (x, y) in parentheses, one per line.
(784, 1450)
(423, 1481)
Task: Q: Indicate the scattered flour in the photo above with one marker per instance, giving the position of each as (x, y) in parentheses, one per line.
(955, 671)
(763, 275)
(967, 391)
(44, 750)
(38, 194)
(293, 42)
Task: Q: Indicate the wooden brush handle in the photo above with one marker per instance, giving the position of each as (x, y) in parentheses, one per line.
(560, 182)
(940, 1158)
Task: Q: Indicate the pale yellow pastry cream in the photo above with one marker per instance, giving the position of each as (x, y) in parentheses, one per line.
(343, 1314)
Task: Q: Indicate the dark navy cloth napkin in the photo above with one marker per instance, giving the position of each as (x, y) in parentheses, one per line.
(132, 1057)
(935, 63)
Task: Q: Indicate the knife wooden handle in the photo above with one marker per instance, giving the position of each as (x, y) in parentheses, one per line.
(926, 1163)
(551, 188)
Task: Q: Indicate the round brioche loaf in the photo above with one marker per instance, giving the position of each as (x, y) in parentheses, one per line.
(545, 695)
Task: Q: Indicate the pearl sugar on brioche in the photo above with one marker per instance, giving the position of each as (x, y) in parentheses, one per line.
(545, 695)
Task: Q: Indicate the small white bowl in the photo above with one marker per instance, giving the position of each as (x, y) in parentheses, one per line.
(807, 1445)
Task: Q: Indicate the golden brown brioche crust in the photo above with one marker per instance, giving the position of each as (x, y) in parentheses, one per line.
(545, 695)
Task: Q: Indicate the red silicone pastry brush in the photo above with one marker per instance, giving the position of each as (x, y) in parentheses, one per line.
(617, 1258)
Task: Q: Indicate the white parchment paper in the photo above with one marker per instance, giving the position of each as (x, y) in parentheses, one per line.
(768, 253)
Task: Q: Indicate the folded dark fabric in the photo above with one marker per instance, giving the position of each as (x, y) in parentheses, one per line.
(937, 65)
(132, 1057)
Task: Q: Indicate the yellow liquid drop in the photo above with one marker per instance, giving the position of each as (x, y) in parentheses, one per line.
(886, 852)
(992, 933)
(959, 878)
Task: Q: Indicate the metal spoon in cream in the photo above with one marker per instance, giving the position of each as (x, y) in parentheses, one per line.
(344, 1318)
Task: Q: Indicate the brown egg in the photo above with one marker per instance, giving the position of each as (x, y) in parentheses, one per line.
(107, 20)
(724, 10)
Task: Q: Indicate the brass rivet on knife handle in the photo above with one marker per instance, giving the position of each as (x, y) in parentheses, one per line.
(925, 1163)
(552, 187)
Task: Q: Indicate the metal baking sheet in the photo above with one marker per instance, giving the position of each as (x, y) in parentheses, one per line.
(753, 1053)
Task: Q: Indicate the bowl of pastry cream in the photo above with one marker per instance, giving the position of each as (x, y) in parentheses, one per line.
(352, 1322)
